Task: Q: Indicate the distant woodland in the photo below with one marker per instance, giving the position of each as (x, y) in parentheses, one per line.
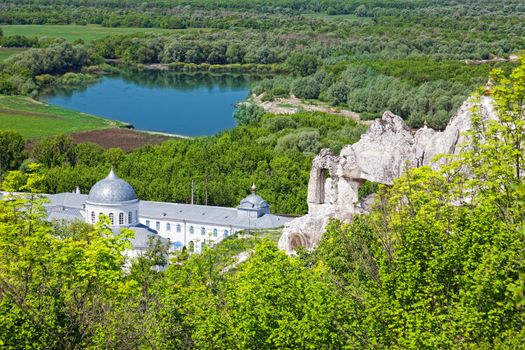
(368, 56)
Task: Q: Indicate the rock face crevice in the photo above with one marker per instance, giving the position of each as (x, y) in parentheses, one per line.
(382, 154)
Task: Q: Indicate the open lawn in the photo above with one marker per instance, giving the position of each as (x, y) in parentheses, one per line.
(5, 52)
(34, 119)
(74, 32)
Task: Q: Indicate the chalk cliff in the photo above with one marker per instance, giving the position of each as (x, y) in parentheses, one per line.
(387, 149)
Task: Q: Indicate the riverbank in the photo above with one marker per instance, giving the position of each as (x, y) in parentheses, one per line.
(35, 119)
(247, 68)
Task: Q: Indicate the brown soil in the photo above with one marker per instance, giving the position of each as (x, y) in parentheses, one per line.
(127, 139)
(26, 113)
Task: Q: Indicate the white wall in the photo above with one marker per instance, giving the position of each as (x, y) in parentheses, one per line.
(115, 210)
(185, 236)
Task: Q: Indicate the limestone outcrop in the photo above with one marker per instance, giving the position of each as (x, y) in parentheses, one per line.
(382, 154)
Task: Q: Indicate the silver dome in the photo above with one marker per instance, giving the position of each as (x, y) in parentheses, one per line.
(112, 190)
(253, 201)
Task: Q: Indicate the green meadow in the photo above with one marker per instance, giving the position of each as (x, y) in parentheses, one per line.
(74, 32)
(34, 119)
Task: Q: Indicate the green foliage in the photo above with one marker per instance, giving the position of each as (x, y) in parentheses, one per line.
(246, 114)
(59, 57)
(60, 287)
(303, 140)
(302, 64)
(56, 151)
(306, 88)
(338, 93)
(12, 151)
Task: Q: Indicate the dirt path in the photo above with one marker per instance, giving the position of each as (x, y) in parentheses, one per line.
(292, 105)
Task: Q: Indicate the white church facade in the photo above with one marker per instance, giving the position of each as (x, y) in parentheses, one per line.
(175, 224)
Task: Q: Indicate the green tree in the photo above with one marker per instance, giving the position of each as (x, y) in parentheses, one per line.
(302, 64)
(361, 11)
(114, 156)
(12, 151)
(89, 154)
(55, 151)
(59, 287)
(246, 114)
(338, 93)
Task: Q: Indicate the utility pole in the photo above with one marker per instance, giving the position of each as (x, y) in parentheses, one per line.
(206, 190)
(192, 192)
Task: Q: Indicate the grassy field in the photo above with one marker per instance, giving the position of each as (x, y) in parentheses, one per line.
(35, 120)
(73, 32)
(6, 52)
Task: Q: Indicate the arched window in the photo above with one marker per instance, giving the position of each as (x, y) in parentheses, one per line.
(215, 233)
(168, 226)
(178, 227)
(191, 246)
(157, 225)
(112, 218)
(147, 223)
(130, 217)
(121, 218)
(226, 233)
(92, 217)
(191, 229)
(203, 244)
(203, 231)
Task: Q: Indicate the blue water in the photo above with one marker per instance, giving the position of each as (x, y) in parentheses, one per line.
(183, 104)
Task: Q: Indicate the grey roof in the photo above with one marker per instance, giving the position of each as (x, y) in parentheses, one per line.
(111, 190)
(142, 236)
(253, 202)
(199, 214)
(208, 215)
(67, 214)
(66, 200)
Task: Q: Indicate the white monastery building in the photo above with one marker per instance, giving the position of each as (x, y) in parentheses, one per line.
(176, 224)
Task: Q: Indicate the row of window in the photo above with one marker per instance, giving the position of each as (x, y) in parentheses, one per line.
(112, 217)
(192, 229)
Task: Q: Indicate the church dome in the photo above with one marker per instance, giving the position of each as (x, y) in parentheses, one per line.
(111, 190)
(253, 201)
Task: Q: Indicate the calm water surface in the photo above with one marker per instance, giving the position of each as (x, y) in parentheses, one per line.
(185, 104)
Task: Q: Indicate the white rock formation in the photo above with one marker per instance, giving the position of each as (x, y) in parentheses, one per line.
(387, 149)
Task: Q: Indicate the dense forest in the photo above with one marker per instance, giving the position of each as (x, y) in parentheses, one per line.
(438, 263)
(368, 56)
